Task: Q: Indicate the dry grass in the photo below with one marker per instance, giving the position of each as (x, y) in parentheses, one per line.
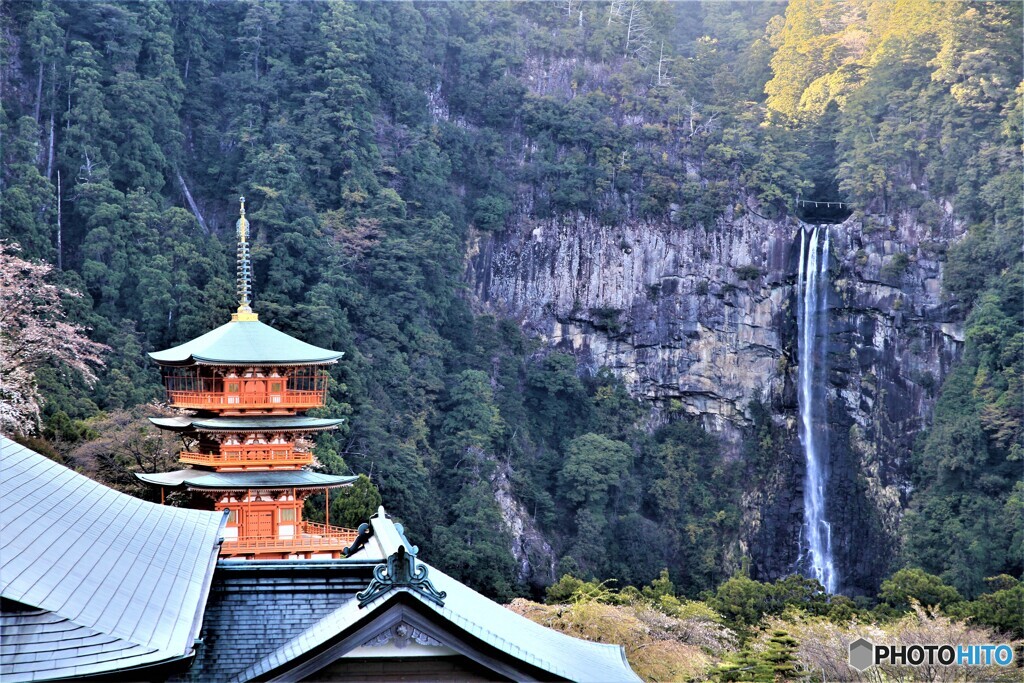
(658, 647)
(823, 648)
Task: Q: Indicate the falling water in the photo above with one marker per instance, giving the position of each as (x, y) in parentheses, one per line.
(812, 327)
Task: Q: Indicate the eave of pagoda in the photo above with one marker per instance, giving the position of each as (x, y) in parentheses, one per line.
(272, 480)
(256, 424)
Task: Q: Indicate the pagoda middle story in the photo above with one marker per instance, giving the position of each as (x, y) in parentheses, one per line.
(247, 386)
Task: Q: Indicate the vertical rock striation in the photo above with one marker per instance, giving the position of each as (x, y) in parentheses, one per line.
(705, 320)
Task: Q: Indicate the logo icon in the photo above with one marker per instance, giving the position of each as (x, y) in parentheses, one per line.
(861, 654)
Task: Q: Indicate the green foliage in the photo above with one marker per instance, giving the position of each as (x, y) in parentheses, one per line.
(914, 584)
(693, 494)
(776, 661)
(964, 523)
(1002, 609)
(561, 591)
(370, 137)
(353, 505)
(894, 269)
(744, 602)
(594, 467)
(748, 272)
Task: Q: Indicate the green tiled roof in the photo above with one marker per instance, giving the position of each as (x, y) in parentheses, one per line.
(202, 479)
(255, 423)
(245, 343)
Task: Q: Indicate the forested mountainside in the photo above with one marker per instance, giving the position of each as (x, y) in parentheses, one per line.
(558, 244)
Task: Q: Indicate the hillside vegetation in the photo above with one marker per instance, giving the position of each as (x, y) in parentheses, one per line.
(372, 141)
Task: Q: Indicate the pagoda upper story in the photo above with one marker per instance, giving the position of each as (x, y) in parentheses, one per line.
(246, 368)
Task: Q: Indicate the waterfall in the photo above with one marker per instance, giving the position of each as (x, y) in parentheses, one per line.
(812, 328)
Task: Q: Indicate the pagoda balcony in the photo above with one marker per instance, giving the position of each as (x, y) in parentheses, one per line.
(227, 401)
(312, 538)
(263, 456)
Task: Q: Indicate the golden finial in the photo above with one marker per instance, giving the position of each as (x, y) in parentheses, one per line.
(244, 313)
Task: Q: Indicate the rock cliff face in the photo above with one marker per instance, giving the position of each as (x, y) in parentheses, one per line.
(706, 318)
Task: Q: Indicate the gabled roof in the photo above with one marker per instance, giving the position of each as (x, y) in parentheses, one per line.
(230, 481)
(95, 581)
(461, 608)
(245, 343)
(256, 423)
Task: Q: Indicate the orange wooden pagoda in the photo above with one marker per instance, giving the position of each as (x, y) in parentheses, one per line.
(247, 385)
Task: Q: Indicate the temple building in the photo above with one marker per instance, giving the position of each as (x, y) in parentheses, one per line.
(97, 585)
(248, 385)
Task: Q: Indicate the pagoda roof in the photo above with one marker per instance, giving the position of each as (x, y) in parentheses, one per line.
(95, 581)
(255, 423)
(245, 342)
(232, 481)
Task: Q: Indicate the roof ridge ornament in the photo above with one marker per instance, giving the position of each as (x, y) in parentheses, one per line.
(245, 313)
(401, 571)
(363, 534)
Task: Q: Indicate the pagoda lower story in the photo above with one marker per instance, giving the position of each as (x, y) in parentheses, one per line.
(264, 511)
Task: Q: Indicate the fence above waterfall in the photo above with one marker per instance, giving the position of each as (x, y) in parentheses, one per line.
(822, 212)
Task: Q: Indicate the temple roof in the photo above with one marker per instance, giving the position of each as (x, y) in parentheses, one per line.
(245, 343)
(95, 581)
(530, 649)
(256, 423)
(230, 481)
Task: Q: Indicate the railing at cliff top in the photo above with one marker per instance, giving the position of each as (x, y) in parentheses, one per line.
(809, 203)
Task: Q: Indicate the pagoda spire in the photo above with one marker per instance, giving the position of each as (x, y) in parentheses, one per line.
(244, 313)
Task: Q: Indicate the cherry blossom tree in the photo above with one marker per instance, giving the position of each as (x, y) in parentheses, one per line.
(34, 333)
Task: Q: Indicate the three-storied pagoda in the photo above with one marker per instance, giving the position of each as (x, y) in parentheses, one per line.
(248, 385)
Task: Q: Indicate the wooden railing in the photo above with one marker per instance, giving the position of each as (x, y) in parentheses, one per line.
(249, 456)
(214, 400)
(311, 537)
(316, 529)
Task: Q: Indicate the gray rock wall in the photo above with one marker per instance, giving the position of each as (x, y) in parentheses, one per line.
(705, 319)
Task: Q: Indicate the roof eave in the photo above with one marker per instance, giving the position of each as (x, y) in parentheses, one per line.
(220, 362)
(270, 487)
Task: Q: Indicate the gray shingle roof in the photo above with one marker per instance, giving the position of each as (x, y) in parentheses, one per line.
(204, 479)
(103, 581)
(561, 655)
(184, 423)
(256, 606)
(245, 343)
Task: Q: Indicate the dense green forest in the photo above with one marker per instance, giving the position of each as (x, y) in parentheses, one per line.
(372, 140)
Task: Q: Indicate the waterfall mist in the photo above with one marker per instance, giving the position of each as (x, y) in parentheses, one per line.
(812, 326)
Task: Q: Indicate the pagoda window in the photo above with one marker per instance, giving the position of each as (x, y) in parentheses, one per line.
(287, 515)
(233, 517)
(309, 378)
